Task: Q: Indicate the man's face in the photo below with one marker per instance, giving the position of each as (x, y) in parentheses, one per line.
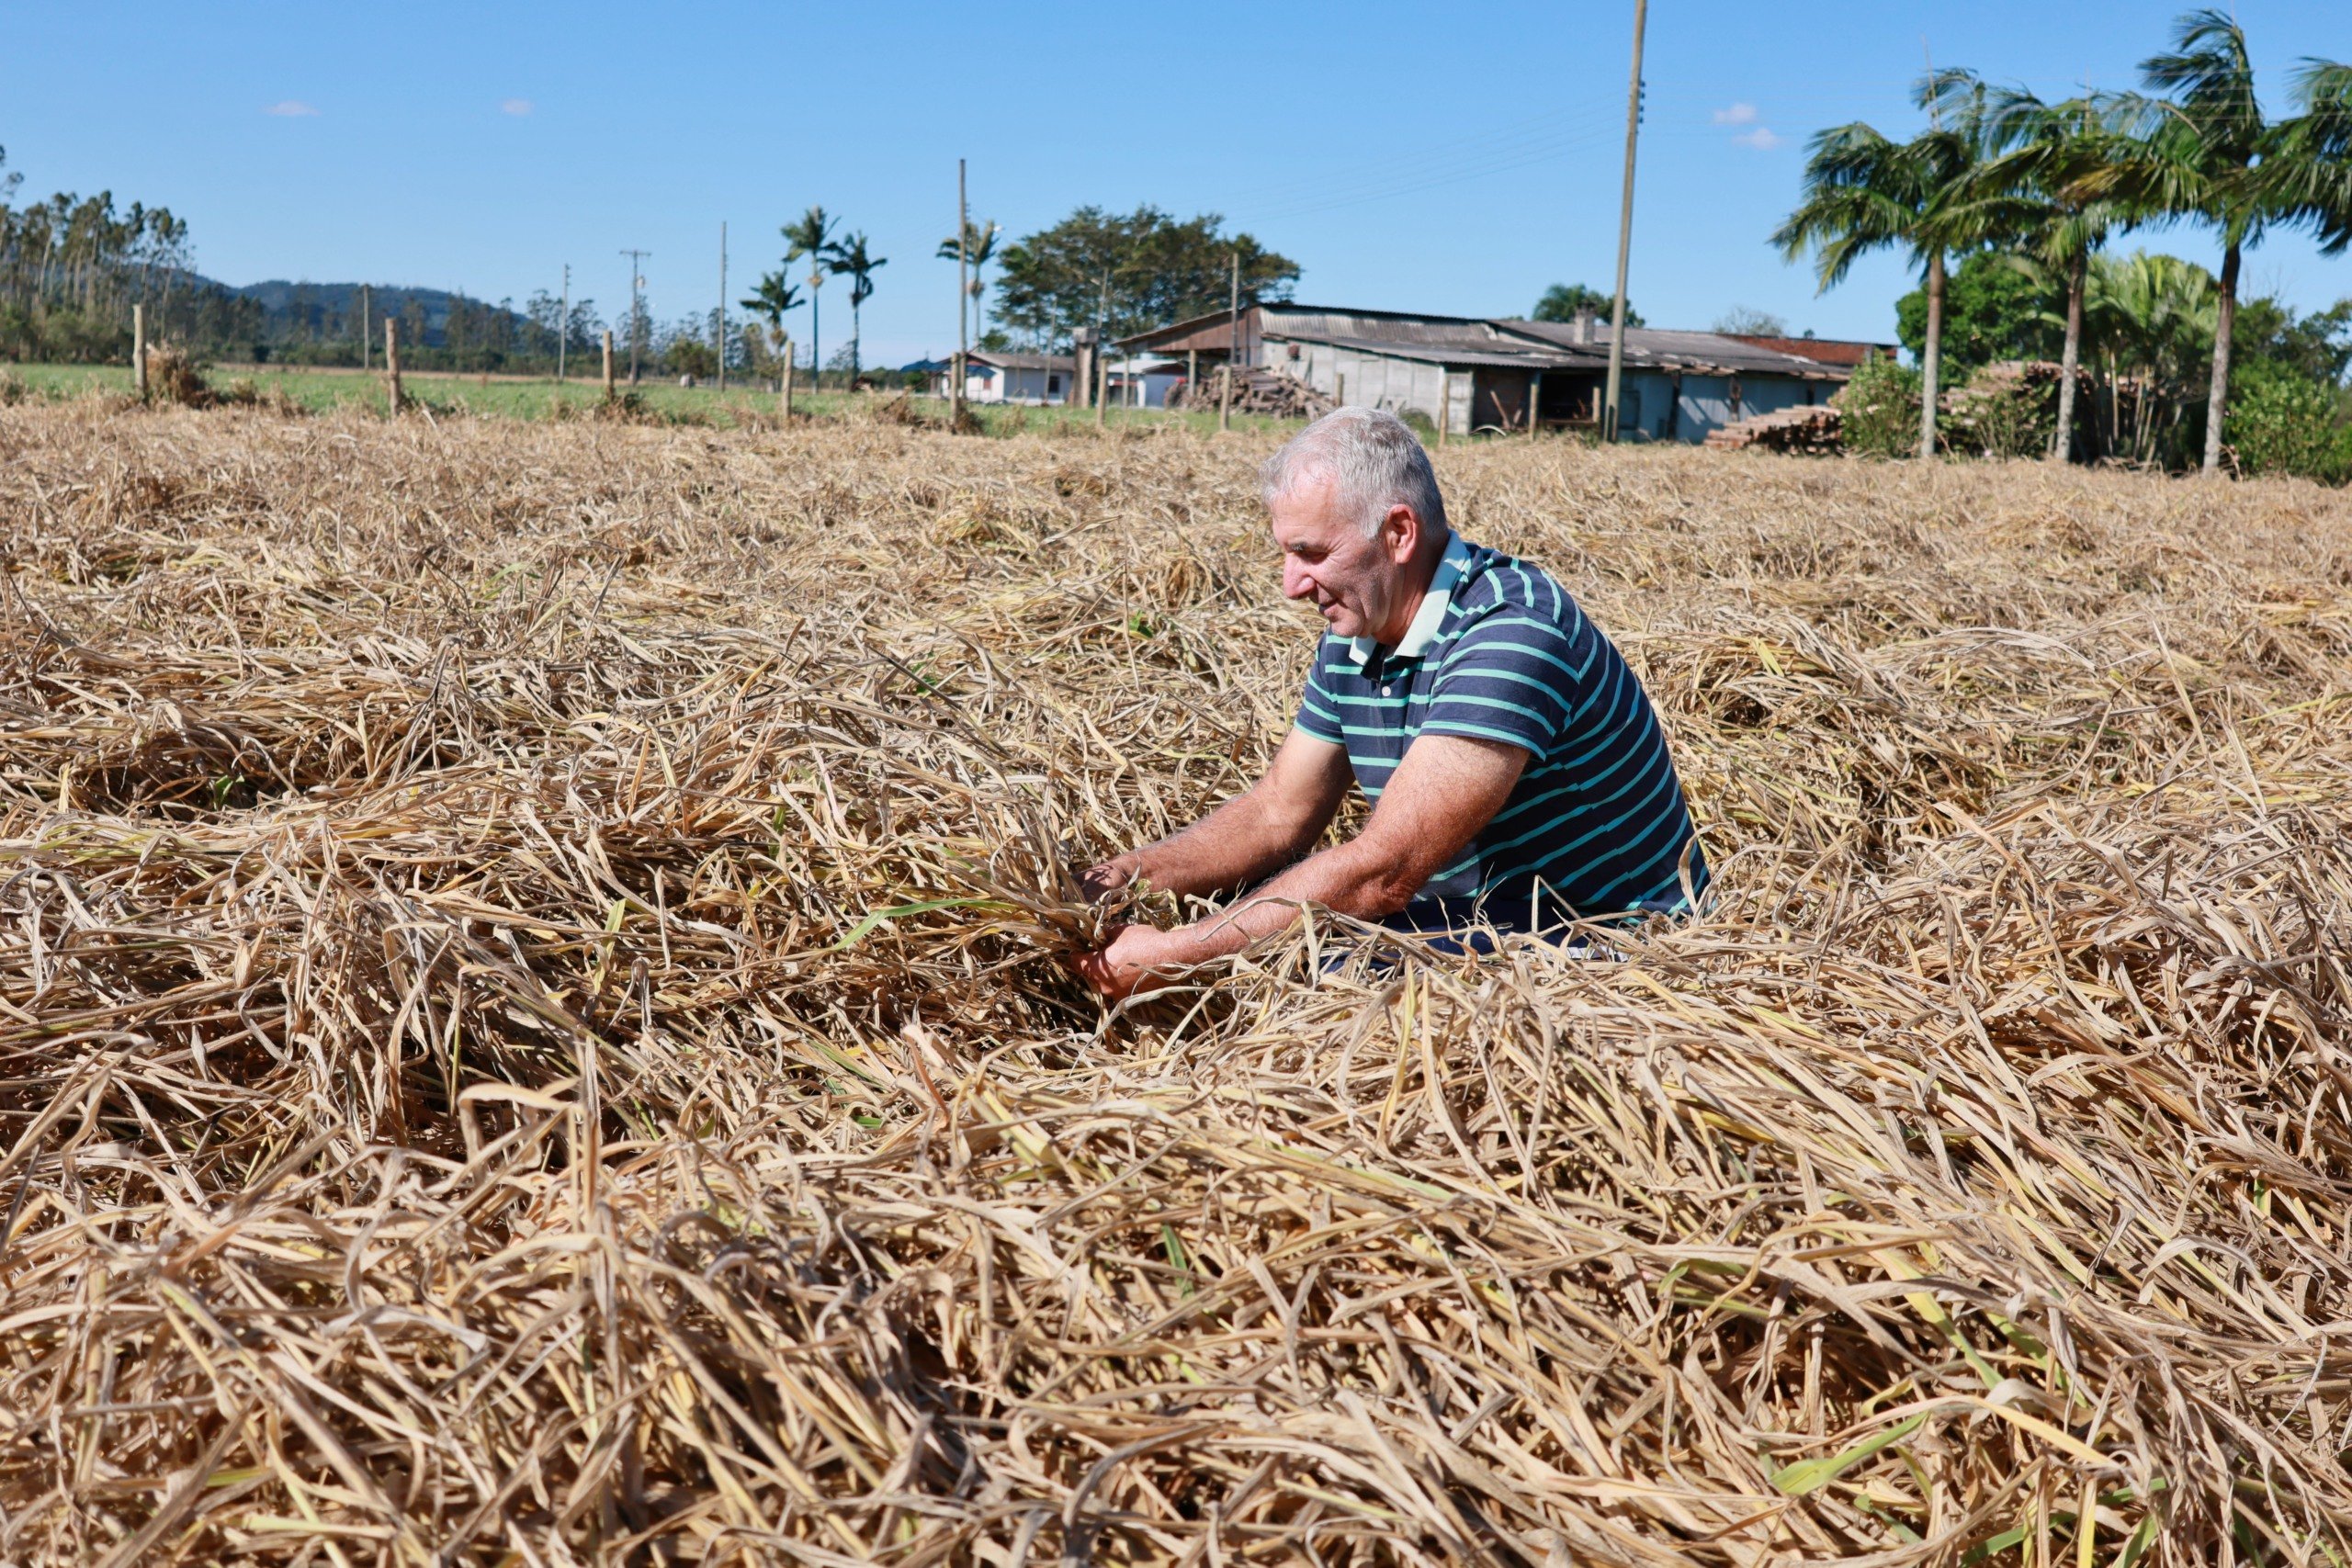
(1357, 582)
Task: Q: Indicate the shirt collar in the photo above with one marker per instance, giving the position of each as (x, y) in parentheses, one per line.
(1435, 601)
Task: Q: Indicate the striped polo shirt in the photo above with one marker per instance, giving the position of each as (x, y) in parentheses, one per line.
(1596, 825)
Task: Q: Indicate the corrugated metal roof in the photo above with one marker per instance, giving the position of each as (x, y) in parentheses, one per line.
(1654, 348)
(1491, 353)
(1497, 342)
(1827, 350)
(1280, 316)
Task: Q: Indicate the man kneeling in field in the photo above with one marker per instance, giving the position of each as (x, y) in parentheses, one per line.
(1517, 776)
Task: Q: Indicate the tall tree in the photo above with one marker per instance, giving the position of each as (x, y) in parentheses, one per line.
(2203, 150)
(1864, 191)
(812, 236)
(849, 258)
(1136, 270)
(2037, 191)
(979, 250)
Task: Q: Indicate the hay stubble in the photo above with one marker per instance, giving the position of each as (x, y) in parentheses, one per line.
(534, 1028)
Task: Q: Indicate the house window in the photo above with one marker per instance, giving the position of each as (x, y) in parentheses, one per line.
(1053, 384)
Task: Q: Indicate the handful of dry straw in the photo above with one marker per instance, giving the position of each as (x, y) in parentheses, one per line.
(536, 1028)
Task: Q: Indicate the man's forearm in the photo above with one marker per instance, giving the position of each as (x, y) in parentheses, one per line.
(1352, 879)
(1239, 842)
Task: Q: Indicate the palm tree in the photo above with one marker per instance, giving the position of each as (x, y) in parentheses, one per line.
(2206, 152)
(770, 301)
(1865, 193)
(812, 236)
(979, 249)
(2033, 193)
(848, 258)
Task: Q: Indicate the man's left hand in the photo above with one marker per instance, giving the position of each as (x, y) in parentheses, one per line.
(1137, 958)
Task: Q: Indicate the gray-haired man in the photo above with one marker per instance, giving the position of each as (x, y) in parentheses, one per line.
(1518, 774)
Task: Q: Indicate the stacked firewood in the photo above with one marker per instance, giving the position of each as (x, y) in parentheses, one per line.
(1809, 430)
(1255, 390)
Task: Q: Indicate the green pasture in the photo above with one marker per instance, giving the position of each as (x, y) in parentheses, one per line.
(538, 398)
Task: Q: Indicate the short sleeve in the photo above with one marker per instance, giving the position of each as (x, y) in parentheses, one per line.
(1318, 716)
(1510, 675)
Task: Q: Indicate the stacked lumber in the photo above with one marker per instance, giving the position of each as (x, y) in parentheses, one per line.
(1810, 430)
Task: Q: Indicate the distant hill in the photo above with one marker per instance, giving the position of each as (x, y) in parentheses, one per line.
(309, 310)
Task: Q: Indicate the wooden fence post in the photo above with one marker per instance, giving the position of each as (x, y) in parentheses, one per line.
(608, 365)
(139, 350)
(1444, 403)
(1103, 386)
(785, 394)
(1225, 397)
(392, 362)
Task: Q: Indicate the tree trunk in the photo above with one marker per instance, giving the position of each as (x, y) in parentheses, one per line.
(1931, 358)
(816, 342)
(2062, 445)
(2217, 397)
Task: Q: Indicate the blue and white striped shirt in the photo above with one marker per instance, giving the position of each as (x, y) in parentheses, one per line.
(1596, 825)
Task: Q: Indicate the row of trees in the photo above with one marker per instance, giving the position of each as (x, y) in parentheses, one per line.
(2146, 331)
(2000, 170)
(72, 267)
(1118, 273)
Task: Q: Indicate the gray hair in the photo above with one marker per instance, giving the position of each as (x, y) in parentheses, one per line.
(1374, 459)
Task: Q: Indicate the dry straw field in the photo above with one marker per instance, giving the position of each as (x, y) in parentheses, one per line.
(535, 1029)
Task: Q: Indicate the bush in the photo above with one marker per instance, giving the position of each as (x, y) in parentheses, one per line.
(2283, 422)
(1878, 411)
(691, 356)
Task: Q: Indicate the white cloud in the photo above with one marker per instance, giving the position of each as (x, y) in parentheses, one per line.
(1738, 114)
(1763, 139)
(290, 108)
(514, 106)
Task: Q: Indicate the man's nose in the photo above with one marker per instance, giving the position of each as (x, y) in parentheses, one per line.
(1296, 583)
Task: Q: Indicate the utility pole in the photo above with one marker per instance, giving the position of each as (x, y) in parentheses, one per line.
(636, 308)
(1232, 350)
(1101, 351)
(963, 298)
(563, 322)
(139, 350)
(722, 304)
(1624, 229)
(367, 328)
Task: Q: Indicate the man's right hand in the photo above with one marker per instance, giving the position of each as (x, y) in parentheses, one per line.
(1099, 882)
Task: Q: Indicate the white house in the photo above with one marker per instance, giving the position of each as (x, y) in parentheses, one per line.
(992, 375)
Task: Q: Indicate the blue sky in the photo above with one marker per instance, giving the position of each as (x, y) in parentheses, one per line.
(1448, 158)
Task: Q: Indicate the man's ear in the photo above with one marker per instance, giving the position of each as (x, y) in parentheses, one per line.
(1400, 533)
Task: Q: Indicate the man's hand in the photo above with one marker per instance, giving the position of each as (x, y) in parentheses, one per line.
(1137, 958)
(1099, 882)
